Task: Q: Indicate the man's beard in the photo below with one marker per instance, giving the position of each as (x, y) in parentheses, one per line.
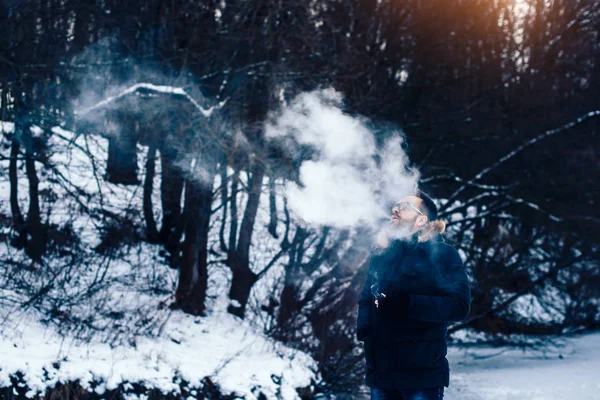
(401, 229)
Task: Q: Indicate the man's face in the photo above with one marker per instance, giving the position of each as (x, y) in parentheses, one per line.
(407, 217)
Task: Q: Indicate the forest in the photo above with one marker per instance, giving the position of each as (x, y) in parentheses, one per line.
(196, 158)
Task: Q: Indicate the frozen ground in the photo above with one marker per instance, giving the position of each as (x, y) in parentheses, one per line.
(234, 355)
(567, 372)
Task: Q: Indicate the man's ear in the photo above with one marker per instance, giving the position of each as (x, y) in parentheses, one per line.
(422, 220)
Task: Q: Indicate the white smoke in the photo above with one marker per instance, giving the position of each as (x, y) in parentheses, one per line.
(344, 185)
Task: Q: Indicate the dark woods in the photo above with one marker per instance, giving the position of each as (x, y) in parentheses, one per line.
(498, 101)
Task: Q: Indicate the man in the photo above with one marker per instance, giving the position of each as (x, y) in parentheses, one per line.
(416, 285)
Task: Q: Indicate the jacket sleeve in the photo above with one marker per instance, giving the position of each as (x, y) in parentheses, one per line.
(365, 310)
(455, 302)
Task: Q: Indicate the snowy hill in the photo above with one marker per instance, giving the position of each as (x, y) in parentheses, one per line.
(101, 317)
(238, 359)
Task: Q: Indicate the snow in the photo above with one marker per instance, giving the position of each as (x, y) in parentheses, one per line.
(7, 127)
(156, 88)
(234, 355)
(134, 337)
(529, 307)
(36, 130)
(565, 370)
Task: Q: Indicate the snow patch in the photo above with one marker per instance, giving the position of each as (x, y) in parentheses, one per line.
(7, 127)
(562, 369)
(232, 353)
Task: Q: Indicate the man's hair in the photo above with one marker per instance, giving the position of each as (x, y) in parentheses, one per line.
(430, 208)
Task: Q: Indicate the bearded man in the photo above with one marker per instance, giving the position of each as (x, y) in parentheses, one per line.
(416, 285)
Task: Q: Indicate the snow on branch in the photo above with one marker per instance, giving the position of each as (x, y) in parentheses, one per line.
(155, 88)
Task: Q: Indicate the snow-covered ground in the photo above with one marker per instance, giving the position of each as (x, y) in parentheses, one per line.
(568, 371)
(236, 357)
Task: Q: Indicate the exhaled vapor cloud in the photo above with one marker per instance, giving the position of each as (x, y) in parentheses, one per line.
(350, 181)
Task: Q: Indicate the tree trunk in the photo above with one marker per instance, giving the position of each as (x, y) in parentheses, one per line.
(243, 277)
(151, 231)
(247, 226)
(233, 226)
(17, 217)
(289, 301)
(272, 209)
(36, 245)
(171, 188)
(4, 102)
(81, 29)
(193, 276)
(224, 202)
(287, 308)
(241, 285)
(121, 166)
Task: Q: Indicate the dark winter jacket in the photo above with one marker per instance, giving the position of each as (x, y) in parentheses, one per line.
(406, 348)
